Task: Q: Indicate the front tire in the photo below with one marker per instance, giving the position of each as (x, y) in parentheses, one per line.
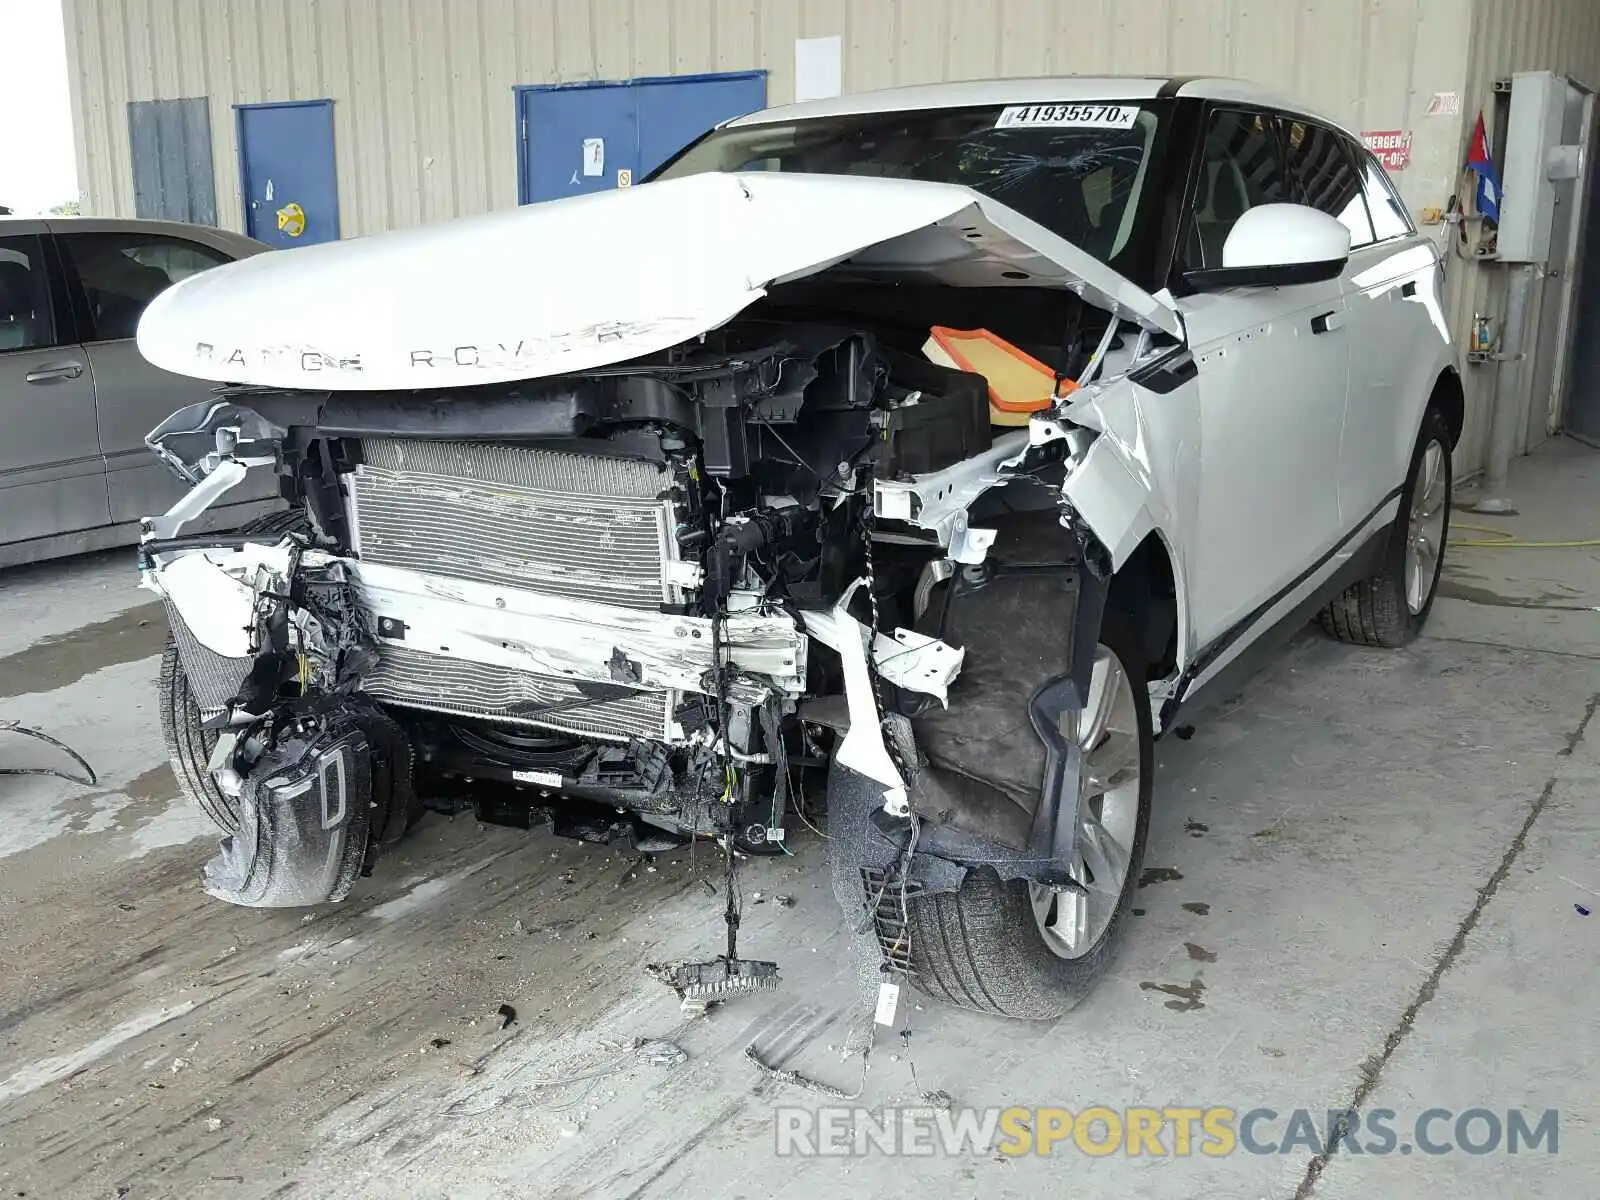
(1390, 608)
(1016, 950)
(189, 746)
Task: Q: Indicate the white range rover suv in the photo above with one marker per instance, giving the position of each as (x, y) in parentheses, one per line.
(930, 449)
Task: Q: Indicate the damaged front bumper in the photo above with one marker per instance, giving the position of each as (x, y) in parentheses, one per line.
(291, 643)
(286, 647)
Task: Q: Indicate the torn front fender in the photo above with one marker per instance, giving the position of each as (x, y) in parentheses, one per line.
(215, 590)
(1133, 470)
(1113, 476)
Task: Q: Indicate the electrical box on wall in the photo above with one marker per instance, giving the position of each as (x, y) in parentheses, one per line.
(1535, 160)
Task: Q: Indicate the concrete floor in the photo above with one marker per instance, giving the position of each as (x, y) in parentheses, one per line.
(1362, 888)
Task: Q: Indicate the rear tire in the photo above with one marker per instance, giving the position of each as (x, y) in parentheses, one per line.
(189, 746)
(1390, 608)
(985, 947)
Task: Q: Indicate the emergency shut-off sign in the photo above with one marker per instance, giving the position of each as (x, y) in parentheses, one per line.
(1392, 146)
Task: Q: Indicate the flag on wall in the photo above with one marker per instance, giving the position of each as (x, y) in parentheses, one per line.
(1480, 163)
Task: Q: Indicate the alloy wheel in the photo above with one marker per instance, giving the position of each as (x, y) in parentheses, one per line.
(1073, 920)
(1425, 530)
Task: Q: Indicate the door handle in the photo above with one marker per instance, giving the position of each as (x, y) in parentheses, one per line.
(51, 374)
(1327, 322)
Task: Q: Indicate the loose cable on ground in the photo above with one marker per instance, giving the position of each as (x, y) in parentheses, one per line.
(795, 1079)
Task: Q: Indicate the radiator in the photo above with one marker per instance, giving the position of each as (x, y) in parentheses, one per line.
(214, 679)
(437, 683)
(576, 526)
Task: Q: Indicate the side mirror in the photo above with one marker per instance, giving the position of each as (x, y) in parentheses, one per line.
(1277, 245)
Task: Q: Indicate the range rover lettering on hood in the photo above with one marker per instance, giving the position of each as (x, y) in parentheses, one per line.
(307, 362)
(572, 285)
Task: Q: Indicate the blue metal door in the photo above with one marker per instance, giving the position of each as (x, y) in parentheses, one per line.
(286, 172)
(674, 112)
(576, 139)
(585, 137)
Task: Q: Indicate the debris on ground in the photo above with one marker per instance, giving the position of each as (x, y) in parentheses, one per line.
(783, 901)
(508, 1016)
(700, 985)
(1582, 911)
(88, 778)
(795, 1079)
(659, 1052)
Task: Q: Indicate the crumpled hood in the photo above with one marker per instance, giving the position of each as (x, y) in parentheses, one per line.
(598, 279)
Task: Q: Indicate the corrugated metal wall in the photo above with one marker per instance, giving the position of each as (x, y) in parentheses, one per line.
(1510, 36)
(424, 112)
(1532, 35)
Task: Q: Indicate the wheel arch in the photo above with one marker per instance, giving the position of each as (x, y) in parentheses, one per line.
(1450, 398)
(1147, 591)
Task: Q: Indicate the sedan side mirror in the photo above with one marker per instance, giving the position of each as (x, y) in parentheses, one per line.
(1277, 245)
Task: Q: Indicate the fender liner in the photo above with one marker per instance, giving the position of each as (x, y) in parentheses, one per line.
(995, 777)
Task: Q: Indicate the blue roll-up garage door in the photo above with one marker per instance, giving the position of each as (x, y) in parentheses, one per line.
(588, 137)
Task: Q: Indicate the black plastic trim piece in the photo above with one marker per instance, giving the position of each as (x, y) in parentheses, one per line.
(564, 409)
(1216, 279)
(1168, 373)
(1170, 89)
(203, 541)
(1363, 564)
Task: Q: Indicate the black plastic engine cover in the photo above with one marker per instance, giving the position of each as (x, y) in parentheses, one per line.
(948, 424)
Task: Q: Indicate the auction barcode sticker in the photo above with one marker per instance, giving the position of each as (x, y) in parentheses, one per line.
(1068, 116)
(888, 1001)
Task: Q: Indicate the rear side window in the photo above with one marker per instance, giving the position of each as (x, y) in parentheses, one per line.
(25, 316)
(1389, 216)
(120, 273)
(1325, 177)
(1241, 167)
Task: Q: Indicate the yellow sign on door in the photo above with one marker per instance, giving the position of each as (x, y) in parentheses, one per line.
(292, 220)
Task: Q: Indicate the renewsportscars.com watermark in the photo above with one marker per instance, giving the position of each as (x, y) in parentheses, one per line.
(1176, 1132)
